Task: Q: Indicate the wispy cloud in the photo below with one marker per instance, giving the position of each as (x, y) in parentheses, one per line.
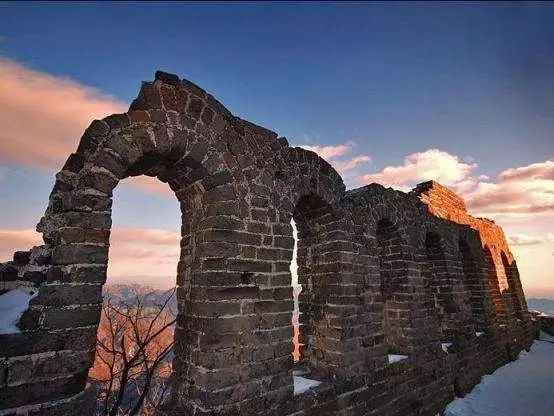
(143, 255)
(150, 184)
(527, 190)
(340, 157)
(17, 240)
(43, 116)
(530, 240)
(329, 152)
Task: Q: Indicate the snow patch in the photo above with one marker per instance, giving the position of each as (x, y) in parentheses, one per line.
(12, 306)
(303, 384)
(445, 346)
(394, 358)
(543, 336)
(521, 388)
(478, 334)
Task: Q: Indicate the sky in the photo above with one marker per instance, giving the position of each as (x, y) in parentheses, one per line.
(393, 93)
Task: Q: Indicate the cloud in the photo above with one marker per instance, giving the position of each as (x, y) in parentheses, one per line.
(149, 184)
(525, 190)
(337, 156)
(351, 163)
(43, 116)
(329, 152)
(142, 255)
(530, 240)
(151, 236)
(17, 240)
(541, 170)
(432, 164)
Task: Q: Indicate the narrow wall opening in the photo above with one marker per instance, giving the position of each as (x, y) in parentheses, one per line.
(474, 285)
(441, 288)
(296, 289)
(310, 279)
(393, 271)
(134, 350)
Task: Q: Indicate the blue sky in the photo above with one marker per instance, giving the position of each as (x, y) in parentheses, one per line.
(473, 80)
(394, 77)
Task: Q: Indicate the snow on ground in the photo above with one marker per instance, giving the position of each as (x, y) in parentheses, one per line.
(524, 387)
(546, 337)
(12, 306)
(445, 346)
(302, 384)
(394, 358)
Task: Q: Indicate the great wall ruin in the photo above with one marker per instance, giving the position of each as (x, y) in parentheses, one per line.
(384, 274)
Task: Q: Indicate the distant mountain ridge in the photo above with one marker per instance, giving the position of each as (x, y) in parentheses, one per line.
(126, 291)
(542, 305)
(121, 292)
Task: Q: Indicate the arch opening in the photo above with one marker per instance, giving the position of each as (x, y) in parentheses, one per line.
(312, 218)
(135, 336)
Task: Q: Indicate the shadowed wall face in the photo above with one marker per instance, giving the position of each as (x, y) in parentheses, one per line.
(472, 280)
(392, 269)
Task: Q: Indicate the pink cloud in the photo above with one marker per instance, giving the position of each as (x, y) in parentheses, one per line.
(149, 184)
(329, 152)
(150, 236)
(530, 240)
(432, 164)
(522, 190)
(337, 156)
(541, 170)
(140, 255)
(43, 116)
(350, 164)
(17, 240)
(144, 255)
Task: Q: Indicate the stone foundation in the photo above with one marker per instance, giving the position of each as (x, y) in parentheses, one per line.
(383, 272)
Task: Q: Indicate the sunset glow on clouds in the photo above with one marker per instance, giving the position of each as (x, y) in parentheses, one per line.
(137, 255)
(144, 256)
(339, 157)
(43, 116)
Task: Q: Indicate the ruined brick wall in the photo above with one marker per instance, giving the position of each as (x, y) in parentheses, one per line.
(401, 307)
(444, 203)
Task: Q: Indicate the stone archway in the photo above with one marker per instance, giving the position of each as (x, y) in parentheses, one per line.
(238, 186)
(179, 134)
